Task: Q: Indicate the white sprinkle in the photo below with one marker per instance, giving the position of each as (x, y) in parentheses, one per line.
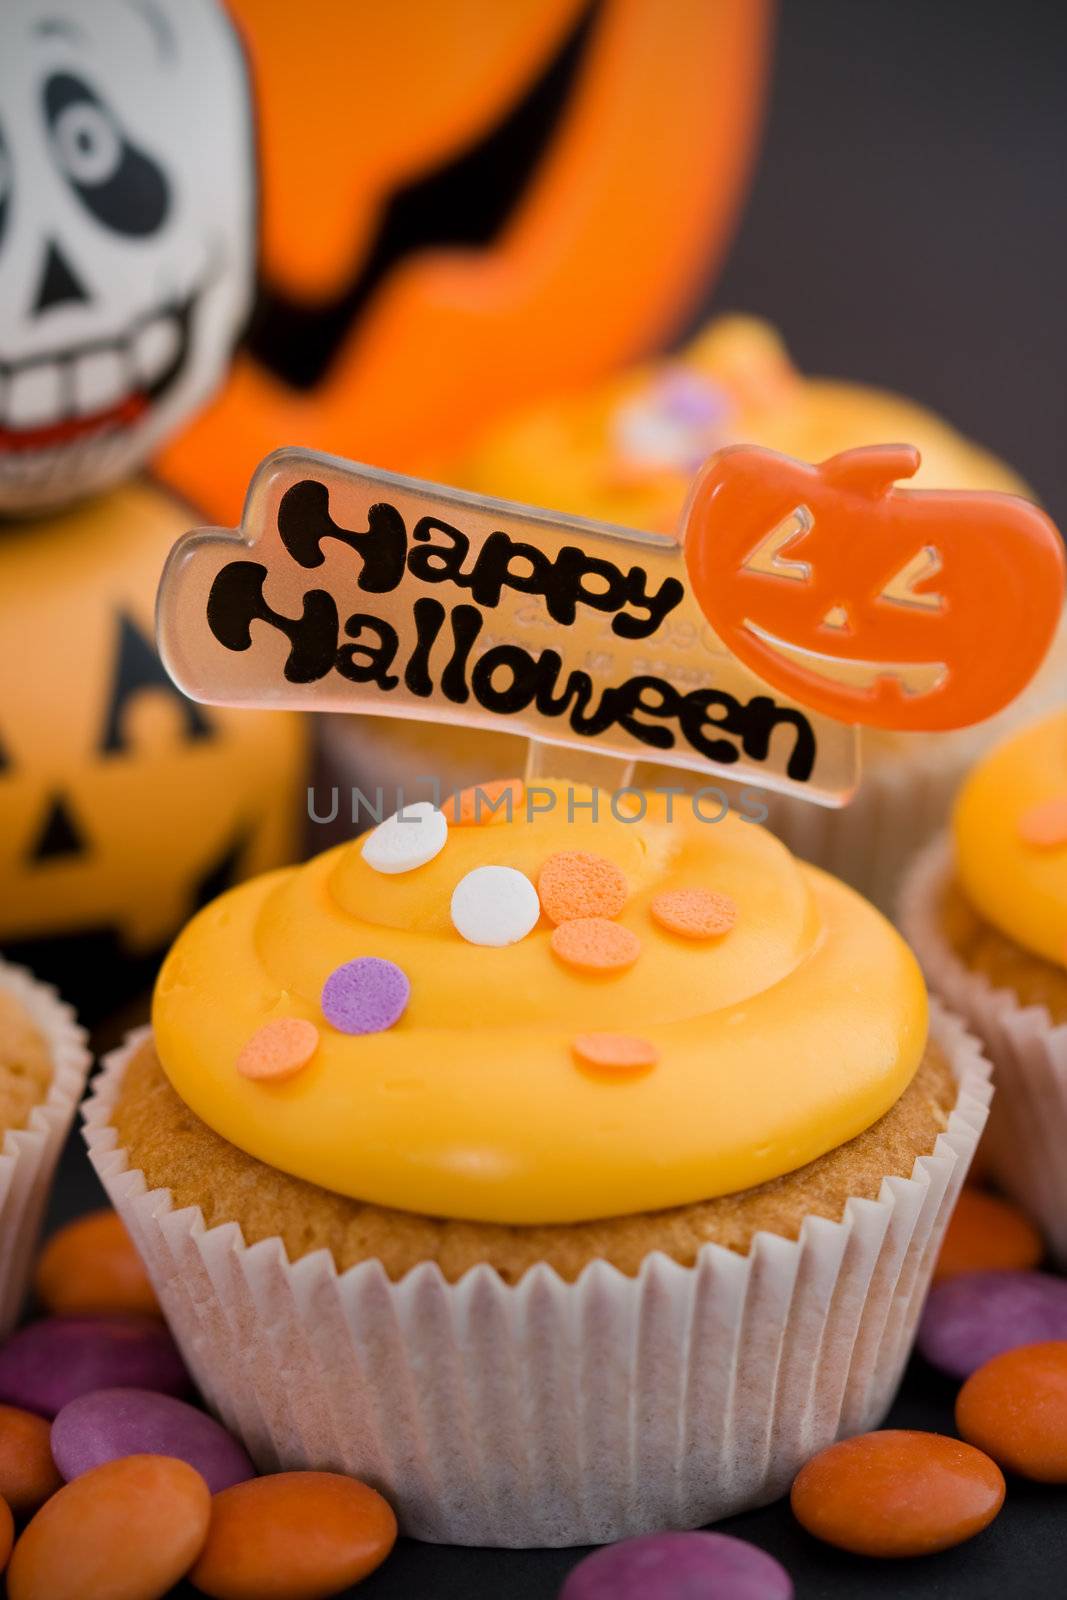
(494, 906)
(406, 840)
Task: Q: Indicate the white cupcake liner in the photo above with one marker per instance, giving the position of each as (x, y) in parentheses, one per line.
(1027, 1136)
(29, 1155)
(550, 1413)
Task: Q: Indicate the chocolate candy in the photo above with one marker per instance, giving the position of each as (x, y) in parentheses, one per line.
(47, 1364)
(987, 1234)
(129, 1530)
(7, 1533)
(971, 1318)
(297, 1535)
(112, 1423)
(668, 1566)
(90, 1268)
(897, 1493)
(1015, 1409)
(28, 1474)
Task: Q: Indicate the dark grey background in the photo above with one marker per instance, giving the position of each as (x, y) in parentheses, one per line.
(906, 227)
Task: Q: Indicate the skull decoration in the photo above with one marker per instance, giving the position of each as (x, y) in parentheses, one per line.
(126, 232)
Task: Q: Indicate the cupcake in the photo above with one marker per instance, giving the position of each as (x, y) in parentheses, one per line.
(986, 910)
(626, 453)
(565, 1174)
(44, 1062)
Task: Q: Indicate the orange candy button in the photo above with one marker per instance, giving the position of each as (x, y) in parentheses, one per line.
(897, 1493)
(7, 1533)
(28, 1475)
(90, 1268)
(484, 803)
(615, 1052)
(593, 944)
(1015, 1409)
(1045, 825)
(575, 884)
(987, 1234)
(694, 913)
(129, 1530)
(278, 1049)
(293, 1536)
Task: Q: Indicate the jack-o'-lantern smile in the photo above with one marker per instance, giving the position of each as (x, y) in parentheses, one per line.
(59, 399)
(913, 677)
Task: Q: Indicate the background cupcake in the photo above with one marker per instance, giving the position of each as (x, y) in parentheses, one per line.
(986, 910)
(44, 1063)
(539, 1164)
(627, 453)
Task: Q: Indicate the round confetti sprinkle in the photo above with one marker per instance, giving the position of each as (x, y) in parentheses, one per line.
(1045, 825)
(486, 803)
(593, 944)
(694, 913)
(406, 840)
(614, 1052)
(365, 996)
(576, 884)
(494, 906)
(278, 1049)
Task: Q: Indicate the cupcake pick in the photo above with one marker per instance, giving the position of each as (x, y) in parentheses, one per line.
(800, 603)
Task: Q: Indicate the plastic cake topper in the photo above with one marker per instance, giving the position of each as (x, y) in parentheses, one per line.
(891, 608)
(351, 589)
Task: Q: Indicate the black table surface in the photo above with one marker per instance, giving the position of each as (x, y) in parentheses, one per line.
(907, 227)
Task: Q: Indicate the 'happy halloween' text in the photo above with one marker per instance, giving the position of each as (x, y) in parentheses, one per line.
(506, 679)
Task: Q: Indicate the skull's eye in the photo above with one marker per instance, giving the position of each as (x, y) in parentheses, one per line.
(5, 183)
(121, 186)
(901, 588)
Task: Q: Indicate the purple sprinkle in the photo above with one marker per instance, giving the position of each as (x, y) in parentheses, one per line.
(687, 398)
(365, 996)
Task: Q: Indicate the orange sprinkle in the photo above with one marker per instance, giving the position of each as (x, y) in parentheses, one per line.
(694, 913)
(593, 944)
(614, 1052)
(278, 1049)
(575, 884)
(1044, 826)
(474, 807)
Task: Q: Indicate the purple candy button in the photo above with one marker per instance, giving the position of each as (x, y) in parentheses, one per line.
(365, 996)
(111, 1423)
(971, 1318)
(679, 1566)
(47, 1364)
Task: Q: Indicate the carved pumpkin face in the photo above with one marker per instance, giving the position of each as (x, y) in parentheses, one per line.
(126, 198)
(468, 205)
(890, 608)
(122, 805)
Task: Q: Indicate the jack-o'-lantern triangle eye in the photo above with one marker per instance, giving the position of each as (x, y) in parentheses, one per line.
(900, 590)
(769, 558)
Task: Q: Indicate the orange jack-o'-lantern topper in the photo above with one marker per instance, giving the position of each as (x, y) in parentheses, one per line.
(447, 190)
(886, 607)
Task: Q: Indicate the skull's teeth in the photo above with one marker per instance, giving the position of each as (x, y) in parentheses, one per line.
(155, 347)
(99, 381)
